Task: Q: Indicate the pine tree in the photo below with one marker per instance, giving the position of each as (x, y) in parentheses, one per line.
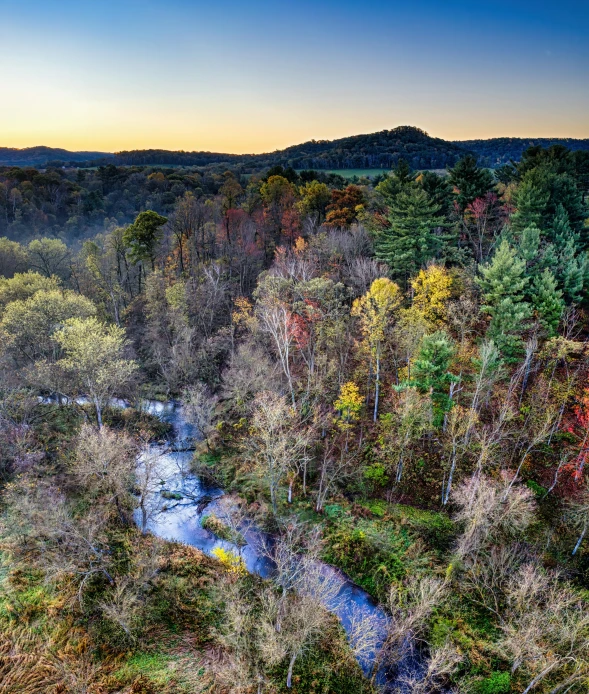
(431, 374)
(409, 241)
(571, 266)
(503, 283)
(402, 177)
(547, 301)
(470, 181)
(531, 203)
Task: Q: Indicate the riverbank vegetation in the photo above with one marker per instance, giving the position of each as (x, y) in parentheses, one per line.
(389, 376)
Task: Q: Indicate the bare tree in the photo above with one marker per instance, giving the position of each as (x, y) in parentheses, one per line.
(410, 607)
(278, 442)
(103, 466)
(149, 477)
(199, 404)
(546, 629)
(578, 514)
(485, 511)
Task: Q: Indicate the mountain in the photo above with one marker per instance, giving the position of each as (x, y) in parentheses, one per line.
(501, 150)
(40, 156)
(381, 150)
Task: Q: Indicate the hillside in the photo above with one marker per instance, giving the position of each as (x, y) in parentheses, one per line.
(39, 156)
(372, 151)
(501, 150)
(381, 150)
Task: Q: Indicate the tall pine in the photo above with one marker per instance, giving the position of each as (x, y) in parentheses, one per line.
(503, 284)
(547, 302)
(409, 240)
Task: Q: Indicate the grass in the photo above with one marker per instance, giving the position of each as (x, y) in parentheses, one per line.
(350, 173)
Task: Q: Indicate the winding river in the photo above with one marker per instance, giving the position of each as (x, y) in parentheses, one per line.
(185, 499)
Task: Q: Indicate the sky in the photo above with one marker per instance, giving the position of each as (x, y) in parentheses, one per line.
(239, 76)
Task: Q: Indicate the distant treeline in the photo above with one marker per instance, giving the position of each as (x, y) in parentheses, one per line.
(501, 150)
(382, 150)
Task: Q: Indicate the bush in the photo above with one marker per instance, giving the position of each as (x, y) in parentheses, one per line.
(496, 683)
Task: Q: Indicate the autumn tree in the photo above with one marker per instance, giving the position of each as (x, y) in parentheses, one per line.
(345, 204)
(431, 372)
(278, 445)
(94, 356)
(376, 312)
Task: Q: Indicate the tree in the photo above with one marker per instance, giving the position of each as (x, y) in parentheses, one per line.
(431, 291)
(150, 473)
(376, 311)
(94, 357)
(103, 467)
(344, 207)
(143, 236)
(547, 301)
(438, 188)
(430, 372)
(49, 257)
(401, 429)
(578, 515)
(277, 444)
(13, 258)
(315, 197)
(486, 515)
(570, 267)
(470, 181)
(30, 325)
(24, 285)
(546, 629)
(348, 404)
(530, 203)
(401, 178)
(503, 283)
(408, 241)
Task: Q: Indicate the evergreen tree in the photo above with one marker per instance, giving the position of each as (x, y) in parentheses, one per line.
(570, 267)
(143, 236)
(470, 181)
(401, 178)
(439, 190)
(530, 203)
(431, 374)
(409, 241)
(547, 302)
(503, 283)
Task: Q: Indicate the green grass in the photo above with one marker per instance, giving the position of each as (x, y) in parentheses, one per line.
(350, 173)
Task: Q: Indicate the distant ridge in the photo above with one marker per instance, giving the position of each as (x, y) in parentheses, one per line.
(381, 150)
(501, 150)
(40, 155)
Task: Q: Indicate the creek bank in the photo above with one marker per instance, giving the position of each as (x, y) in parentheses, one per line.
(187, 499)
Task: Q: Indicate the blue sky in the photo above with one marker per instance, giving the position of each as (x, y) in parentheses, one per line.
(255, 76)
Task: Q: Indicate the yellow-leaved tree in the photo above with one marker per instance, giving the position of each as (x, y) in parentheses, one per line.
(376, 311)
(431, 291)
(95, 359)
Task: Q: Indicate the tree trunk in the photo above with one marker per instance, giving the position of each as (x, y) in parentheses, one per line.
(581, 536)
(376, 388)
(290, 668)
(98, 413)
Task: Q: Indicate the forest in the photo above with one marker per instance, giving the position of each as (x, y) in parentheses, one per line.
(280, 432)
(377, 150)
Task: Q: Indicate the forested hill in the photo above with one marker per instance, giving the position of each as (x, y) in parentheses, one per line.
(40, 156)
(381, 150)
(373, 151)
(501, 150)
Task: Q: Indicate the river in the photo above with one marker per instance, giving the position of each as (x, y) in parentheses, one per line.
(184, 499)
